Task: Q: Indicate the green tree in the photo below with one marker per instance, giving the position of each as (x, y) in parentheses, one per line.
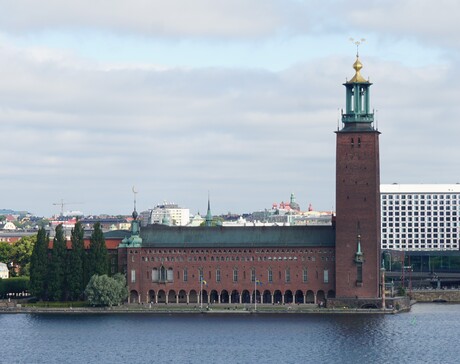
(21, 253)
(5, 252)
(103, 290)
(39, 265)
(75, 275)
(56, 272)
(98, 258)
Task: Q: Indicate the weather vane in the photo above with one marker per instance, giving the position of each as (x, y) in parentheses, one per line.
(357, 43)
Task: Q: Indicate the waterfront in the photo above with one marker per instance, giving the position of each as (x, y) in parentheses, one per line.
(424, 335)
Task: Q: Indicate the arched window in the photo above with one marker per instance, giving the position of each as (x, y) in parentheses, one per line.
(163, 274)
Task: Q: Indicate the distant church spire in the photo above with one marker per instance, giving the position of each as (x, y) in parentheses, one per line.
(135, 214)
(209, 214)
(134, 240)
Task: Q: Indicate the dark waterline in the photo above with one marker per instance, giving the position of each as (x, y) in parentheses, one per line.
(428, 334)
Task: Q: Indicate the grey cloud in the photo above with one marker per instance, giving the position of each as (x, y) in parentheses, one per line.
(427, 21)
(175, 18)
(249, 136)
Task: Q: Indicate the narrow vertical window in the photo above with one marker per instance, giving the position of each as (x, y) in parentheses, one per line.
(288, 275)
(305, 274)
(270, 276)
(154, 275)
(133, 276)
(217, 275)
(359, 273)
(326, 276)
(163, 274)
(253, 275)
(185, 275)
(235, 275)
(200, 274)
(170, 275)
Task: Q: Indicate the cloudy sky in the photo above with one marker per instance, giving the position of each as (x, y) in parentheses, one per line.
(239, 98)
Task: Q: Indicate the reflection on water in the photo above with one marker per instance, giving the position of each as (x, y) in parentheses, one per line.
(426, 334)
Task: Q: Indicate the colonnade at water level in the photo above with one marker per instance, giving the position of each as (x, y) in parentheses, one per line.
(230, 297)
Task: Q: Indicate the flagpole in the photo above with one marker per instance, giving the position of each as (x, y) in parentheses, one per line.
(255, 293)
(201, 293)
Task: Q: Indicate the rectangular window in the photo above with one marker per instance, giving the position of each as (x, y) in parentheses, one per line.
(288, 275)
(133, 276)
(326, 276)
(305, 275)
(359, 273)
(218, 275)
(235, 275)
(253, 275)
(200, 274)
(270, 276)
(185, 275)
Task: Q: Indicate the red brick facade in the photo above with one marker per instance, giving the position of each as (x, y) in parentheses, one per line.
(358, 213)
(286, 275)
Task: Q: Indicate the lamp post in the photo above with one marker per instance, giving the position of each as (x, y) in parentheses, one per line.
(382, 270)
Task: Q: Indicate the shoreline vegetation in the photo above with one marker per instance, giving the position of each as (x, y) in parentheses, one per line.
(243, 309)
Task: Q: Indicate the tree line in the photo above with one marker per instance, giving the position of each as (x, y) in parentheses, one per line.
(17, 255)
(61, 274)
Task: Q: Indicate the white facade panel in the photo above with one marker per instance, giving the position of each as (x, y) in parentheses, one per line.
(420, 217)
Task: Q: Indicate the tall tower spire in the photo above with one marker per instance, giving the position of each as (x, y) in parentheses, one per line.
(208, 213)
(357, 195)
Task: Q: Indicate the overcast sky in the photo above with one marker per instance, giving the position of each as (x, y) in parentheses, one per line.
(239, 98)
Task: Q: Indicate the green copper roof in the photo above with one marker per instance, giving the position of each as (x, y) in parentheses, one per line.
(210, 237)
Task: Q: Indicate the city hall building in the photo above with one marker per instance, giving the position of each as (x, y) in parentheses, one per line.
(337, 265)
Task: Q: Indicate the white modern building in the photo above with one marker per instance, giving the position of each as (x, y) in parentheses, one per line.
(4, 273)
(169, 214)
(420, 216)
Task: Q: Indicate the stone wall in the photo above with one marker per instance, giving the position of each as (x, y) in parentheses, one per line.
(447, 295)
(395, 303)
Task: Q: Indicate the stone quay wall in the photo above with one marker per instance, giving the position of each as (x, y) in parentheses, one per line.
(447, 295)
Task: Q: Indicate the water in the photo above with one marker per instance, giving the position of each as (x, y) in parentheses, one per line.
(428, 334)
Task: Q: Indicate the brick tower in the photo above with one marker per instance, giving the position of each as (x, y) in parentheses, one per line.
(357, 195)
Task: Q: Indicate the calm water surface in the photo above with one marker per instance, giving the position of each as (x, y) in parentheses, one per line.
(428, 334)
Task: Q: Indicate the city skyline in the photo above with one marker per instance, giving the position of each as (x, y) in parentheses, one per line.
(239, 99)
